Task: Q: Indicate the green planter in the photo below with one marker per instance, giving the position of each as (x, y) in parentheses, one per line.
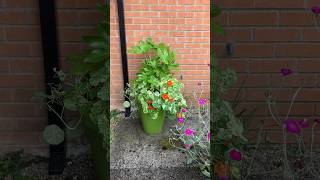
(98, 152)
(149, 125)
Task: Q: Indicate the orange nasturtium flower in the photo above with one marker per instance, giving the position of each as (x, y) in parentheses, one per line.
(179, 115)
(149, 101)
(169, 83)
(151, 107)
(165, 96)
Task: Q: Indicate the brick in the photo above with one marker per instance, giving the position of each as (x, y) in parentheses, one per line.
(89, 3)
(17, 81)
(16, 17)
(309, 95)
(26, 65)
(6, 95)
(311, 35)
(17, 49)
(8, 124)
(260, 50)
(74, 34)
(263, 66)
(294, 80)
(298, 50)
(312, 65)
(67, 18)
(17, 110)
(277, 35)
(298, 109)
(27, 33)
(90, 18)
(236, 4)
(4, 65)
(253, 18)
(296, 18)
(236, 65)
(286, 4)
(259, 94)
(234, 34)
(21, 3)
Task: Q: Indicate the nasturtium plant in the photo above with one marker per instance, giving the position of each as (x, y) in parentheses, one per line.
(84, 89)
(156, 89)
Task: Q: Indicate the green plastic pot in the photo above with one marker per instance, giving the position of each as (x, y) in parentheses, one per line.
(98, 152)
(151, 126)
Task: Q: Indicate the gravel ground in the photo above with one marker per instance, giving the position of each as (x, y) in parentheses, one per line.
(77, 168)
(267, 164)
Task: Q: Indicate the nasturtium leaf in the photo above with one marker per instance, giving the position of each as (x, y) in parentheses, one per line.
(54, 135)
(126, 104)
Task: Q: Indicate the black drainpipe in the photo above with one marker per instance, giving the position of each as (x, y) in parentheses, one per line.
(51, 60)
(122, 33)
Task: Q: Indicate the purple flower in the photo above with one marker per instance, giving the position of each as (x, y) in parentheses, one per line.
(189, 132)
(316, 10)
(180, 120)
(187, 146)
(202, 101)
(292, 126)
(317, 120)
(235, 155)
(286, 71)
(183, 110)
(304, 123)
(224, 178)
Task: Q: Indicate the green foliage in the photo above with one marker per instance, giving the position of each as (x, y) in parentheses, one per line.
(214, 24)
(85, 89)
(11, 165)
(52, 134)
(153, 78)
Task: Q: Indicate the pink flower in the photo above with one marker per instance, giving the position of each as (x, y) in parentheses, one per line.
(183, 110)
(202, 101)
(180, 120)
(224, 178)
(286, 71)
(292, 126)
(304, 123)
(209, 136)
(187, 146)
(189, 132)
(235, 155)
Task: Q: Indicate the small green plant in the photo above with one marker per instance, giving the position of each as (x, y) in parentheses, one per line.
(155, 88)
(11, 165)
(85, 88)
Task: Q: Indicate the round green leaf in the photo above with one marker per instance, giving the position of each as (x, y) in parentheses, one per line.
(54, 135)
(126, 104)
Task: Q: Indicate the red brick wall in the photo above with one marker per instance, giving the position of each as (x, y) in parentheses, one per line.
(21, 72)
(182, 24)
(269, 35)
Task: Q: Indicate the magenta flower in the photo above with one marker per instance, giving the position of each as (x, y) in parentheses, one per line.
(286, 71)
(317, 120)
(202, 101)
(183, 110)
(224, 178)
(180, 120)
(292, 126)
(189, 132)
(235, 155)
(316, 10)
(304, 123)
(209, 136)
